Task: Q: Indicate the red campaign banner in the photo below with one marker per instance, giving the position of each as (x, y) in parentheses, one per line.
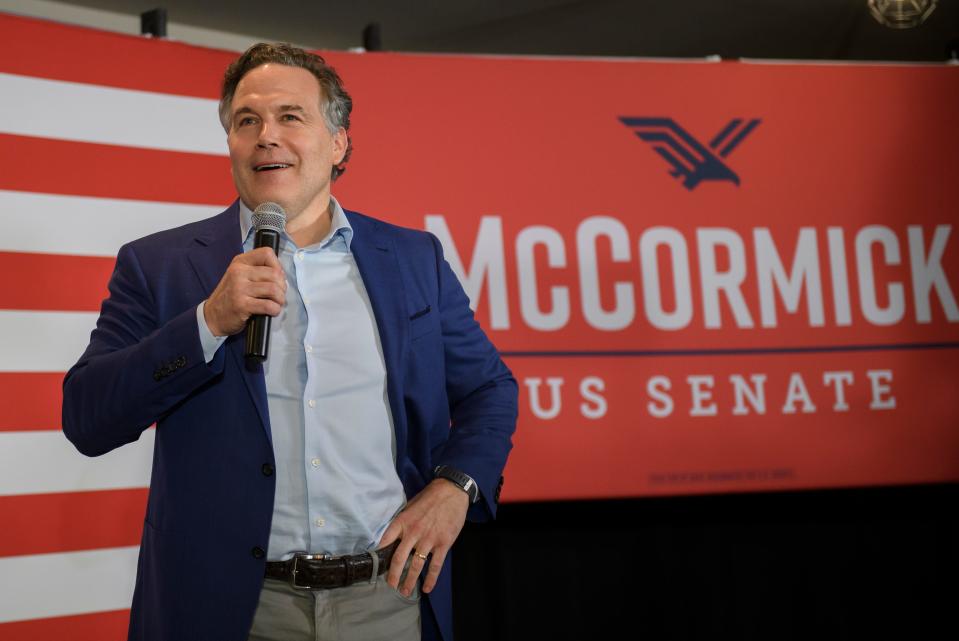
(707, 277)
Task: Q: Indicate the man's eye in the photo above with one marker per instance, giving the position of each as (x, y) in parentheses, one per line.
(245, 121)
(290, 117)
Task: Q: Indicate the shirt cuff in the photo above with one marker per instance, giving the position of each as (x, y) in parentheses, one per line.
(208, 341)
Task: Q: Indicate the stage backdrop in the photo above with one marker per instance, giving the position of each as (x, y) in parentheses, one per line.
(706, 277)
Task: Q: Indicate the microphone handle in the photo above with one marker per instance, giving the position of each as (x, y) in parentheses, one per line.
(258, 325)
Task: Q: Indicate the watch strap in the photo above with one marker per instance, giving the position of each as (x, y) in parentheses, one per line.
(462, 480)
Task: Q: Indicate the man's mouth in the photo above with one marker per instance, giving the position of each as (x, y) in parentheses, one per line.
(271, 166)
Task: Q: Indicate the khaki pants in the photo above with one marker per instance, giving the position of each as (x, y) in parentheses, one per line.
(366, 611)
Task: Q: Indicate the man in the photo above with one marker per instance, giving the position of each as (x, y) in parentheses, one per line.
(344, 467)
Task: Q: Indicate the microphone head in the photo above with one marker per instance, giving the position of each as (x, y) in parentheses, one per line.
(269, 216)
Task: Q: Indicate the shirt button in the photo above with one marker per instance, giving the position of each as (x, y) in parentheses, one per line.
(299, 255)
(267, 469)
(312, 403)
(315, 462)
(257, 552)
(320, 522)
(309, 349)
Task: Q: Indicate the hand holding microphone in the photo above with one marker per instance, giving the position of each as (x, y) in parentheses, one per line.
(253, 289)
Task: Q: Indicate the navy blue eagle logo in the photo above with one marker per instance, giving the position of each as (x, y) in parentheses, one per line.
(688, 158)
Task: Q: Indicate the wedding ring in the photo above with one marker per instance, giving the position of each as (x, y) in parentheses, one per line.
(421, 555)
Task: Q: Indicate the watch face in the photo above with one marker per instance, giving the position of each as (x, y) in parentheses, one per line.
(473, 491)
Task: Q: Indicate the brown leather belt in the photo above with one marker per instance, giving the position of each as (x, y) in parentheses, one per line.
(322, 571)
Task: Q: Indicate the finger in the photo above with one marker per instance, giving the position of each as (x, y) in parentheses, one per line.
(262, 273)
(416, 566)
(262, 264)
(266, 290)
(264, 306)
(395, 532)
(392, 533)
(433, 573)
(400, 555)
(261, 256)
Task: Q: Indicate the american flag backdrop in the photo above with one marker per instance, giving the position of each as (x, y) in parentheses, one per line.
(104, 138)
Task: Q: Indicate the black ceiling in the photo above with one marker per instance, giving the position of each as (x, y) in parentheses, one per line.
(793, 29)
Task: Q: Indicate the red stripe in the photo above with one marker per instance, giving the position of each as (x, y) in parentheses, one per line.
(54, 282)
(71, 521)
(30, 401)
(99, 626)
(86, 55)
(113, 171)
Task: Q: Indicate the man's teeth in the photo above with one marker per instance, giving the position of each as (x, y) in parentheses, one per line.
(272, 166)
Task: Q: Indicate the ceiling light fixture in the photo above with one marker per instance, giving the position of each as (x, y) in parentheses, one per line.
(901, 14)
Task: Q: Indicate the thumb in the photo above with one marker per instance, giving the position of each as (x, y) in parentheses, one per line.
(392, 533)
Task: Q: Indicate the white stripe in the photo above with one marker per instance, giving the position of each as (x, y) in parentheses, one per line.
(83, 226)
(39, 586)
(44, 462)
(94, 113)
(43, 341)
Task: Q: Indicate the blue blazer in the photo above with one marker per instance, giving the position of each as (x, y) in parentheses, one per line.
(207, 523)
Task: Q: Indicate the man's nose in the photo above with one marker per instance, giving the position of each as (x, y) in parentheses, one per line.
(267, 135)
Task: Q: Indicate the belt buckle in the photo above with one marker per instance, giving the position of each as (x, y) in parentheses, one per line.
(306, 557)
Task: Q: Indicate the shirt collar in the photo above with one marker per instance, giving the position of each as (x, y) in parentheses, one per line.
(340, 225)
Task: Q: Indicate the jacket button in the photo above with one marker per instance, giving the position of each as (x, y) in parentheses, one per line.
(257, 552)
(267, 469)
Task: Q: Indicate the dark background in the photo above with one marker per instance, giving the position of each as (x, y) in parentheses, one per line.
(868, 563)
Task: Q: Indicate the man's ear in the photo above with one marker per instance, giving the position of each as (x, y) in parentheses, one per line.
(340, 142)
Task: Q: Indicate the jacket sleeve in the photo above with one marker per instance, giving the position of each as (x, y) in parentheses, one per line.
(482, 393)
(135, 369)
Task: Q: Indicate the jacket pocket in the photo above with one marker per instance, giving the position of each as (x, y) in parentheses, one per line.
(423, 322)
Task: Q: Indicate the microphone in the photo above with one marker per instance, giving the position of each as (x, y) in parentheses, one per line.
(269, 219)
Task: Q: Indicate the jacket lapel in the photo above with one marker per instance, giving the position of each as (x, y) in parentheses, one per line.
(376, 258)
(214, 249)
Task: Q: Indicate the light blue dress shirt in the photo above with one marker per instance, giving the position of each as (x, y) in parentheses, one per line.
(336, 483)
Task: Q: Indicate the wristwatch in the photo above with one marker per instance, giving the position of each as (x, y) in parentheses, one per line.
(463, 481)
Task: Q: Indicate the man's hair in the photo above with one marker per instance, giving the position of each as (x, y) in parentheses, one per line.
(335, 102)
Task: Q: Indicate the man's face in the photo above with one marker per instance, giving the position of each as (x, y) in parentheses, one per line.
(280, 148)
